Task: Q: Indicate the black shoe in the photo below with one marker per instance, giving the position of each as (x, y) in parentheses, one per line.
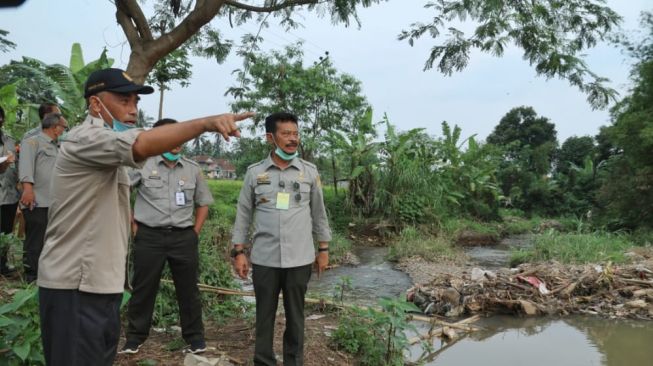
(130, 347)
(197, 347)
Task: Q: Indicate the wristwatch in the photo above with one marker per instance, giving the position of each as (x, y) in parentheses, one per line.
(236, 252)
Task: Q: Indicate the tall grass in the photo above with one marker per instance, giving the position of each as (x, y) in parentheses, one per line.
(575, 248)
(412, 242)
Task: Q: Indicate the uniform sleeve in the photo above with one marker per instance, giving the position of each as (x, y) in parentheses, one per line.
(27, 162)
(321, 230)
(135, 177)
(99, 147)
(203, 196)
(244, 210)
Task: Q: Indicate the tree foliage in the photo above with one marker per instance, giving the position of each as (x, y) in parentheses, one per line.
(187, 23)
(38, 82)
(529, 144)
(553, 34)
(626, 195)
(321, 97)
(5, 44)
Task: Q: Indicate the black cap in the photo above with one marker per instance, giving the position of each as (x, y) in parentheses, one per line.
(113, 80)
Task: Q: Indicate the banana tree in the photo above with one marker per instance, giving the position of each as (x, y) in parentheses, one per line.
(38, 82)
(360, 149)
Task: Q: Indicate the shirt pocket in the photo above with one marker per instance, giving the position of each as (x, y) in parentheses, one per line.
(189, 193)
(264, 195)
(305, 194)
(155, 188)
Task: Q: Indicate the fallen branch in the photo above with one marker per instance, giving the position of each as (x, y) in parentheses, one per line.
(439, 331)
(637, 282)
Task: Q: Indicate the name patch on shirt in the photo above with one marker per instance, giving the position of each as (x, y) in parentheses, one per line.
(263, 179)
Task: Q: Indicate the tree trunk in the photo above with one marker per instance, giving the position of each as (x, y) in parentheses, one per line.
(161, 90)
(335, 172)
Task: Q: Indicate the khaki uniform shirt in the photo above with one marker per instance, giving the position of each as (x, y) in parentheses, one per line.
(9, 179)
(36, 164)
(88, 220)
(283, 238)
(158, 192)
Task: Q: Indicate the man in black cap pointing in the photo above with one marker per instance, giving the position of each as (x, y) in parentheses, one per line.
(82, 265)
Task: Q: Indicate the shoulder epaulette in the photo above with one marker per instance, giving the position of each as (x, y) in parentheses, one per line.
(193, 162)
(308, 163)
(255, 164)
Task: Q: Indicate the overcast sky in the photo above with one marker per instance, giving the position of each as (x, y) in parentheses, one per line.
(390, 70)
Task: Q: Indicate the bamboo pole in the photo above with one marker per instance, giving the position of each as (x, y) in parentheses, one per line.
(438, 331)
(227, 291)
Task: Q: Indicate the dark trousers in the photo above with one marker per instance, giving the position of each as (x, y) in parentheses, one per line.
(36, 221)
(7, 216)
(268, 282)
(79, 328)
(152, 249)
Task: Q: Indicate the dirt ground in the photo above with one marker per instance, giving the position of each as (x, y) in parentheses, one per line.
(236, 340)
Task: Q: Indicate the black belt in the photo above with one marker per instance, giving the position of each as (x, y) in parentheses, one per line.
(164, 228)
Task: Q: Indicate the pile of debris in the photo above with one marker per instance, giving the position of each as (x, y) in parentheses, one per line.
(542, 289)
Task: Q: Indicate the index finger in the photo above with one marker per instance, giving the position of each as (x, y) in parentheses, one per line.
(242, 116)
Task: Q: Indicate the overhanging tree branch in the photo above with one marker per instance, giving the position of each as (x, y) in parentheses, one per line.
(133, 15)
(267, 9)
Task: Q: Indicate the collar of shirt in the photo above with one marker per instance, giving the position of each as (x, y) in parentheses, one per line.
(46, 138)
(160, 160)
(270, 163)
(94, 121)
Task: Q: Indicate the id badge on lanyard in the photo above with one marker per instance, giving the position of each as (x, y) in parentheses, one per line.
(180, 197)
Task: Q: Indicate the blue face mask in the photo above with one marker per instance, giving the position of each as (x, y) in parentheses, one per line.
(117, 125)
(171, 157)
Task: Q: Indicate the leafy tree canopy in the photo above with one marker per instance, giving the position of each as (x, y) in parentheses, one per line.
(553, 34)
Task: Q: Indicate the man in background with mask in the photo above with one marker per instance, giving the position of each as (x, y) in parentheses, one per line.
(35, 167)
(283, 196)
(170, 187)
(82, 265)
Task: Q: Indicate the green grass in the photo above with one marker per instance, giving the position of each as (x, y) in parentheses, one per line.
(575, 248)
(412, 242)
(514, 225)
(225, 195)
(453, 227)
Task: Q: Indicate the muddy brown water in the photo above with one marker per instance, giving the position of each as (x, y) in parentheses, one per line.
(503, 340)
(581, 341)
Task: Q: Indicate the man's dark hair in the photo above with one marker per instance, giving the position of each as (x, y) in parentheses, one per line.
(271, 120)
(164, 121)
(46, 108)
(50, 120)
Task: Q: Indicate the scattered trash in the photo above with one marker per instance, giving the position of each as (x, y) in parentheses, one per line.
(624, 291)
(480, 274)
(536, 282)
(315, 317)
(196, 360)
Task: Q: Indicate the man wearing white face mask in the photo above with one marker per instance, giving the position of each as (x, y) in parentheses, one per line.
(282, 196)
(82, 265)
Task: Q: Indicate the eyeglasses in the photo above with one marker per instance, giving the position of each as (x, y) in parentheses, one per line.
(65, 128)
(295, 187)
